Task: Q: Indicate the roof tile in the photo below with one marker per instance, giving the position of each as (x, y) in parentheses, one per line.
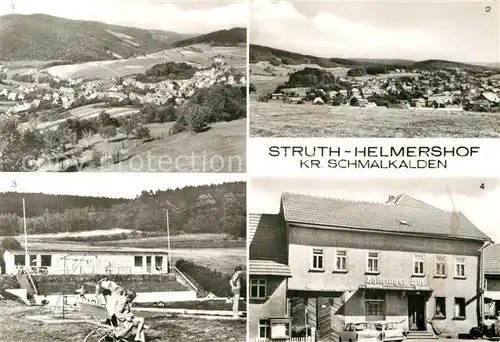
(387, 217)
(267, 267)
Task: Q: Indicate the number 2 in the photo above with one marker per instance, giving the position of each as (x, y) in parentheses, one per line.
(488, 9)
(481, 186)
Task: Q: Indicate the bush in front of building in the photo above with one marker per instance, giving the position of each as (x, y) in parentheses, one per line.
(8, 281)
(69, 283)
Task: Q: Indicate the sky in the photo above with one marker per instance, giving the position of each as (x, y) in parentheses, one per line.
(116, 185)
(480, 206)
(403, 29)
(192, 17)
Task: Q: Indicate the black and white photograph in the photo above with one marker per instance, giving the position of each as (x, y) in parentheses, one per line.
(387, 69)
(84, 258)
(370, 259)
(123, 85)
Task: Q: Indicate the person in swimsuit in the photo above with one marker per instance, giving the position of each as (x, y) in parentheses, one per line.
(235, 284)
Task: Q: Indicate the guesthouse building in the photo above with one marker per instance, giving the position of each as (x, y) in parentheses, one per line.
(402, 260)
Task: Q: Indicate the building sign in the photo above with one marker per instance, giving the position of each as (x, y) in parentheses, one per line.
(396, 282)
(280, 328)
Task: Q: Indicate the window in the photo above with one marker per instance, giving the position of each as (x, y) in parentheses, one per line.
(440, 266)
(341, 260)
(418, 265)
(373, 263)
(138, 261)
(258, 288)
(32, 260)
(460, 267)
(460, 307)
(375, 303)
(440, 307)
(158, 263)
(20, 260)
(264, 328)
(317, 259)
(46, 260)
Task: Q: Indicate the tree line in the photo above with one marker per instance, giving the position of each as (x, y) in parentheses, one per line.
(205, 209)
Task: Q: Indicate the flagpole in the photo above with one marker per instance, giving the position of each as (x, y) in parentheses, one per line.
(168, 244)
(25, 233)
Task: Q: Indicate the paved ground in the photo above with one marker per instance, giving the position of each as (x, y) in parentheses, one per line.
(443, 340)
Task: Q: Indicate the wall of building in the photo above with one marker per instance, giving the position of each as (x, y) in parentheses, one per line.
(492, 283)
(274, 306)
(396, 255)
(80, 263)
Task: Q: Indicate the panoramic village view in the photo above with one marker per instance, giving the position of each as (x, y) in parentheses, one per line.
(71, 265)
(87, 95)
(373, 260)
(372, 88)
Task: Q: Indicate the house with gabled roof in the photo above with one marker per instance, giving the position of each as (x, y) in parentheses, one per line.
(492, 281)
(268, 276)
(402, 260)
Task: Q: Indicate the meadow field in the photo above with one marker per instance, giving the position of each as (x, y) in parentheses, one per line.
(199, 55)
(81, 113)
(222, 148)
(16, 327)
(275, 119)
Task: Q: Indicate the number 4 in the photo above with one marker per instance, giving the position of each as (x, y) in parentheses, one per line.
(481, 186)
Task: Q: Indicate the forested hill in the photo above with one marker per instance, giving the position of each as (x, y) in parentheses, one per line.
(45, 37)
(38, 204)
(232, 37)
(217, 208)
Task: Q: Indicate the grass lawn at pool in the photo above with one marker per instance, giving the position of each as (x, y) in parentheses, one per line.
(15, 327)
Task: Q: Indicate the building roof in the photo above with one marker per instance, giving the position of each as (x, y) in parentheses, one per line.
(406, 216)
(492, 97)
(267, 238)
(405, 200)
(267, 267)
(492, 259)
(53, 248)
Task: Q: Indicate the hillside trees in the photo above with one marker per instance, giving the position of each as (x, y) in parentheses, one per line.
(209, 105)
(205, 209)
(309, 77)
(108, 132)
(18, 149)
(172, 71)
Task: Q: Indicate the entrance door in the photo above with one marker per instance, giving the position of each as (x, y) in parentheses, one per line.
(416, 312)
